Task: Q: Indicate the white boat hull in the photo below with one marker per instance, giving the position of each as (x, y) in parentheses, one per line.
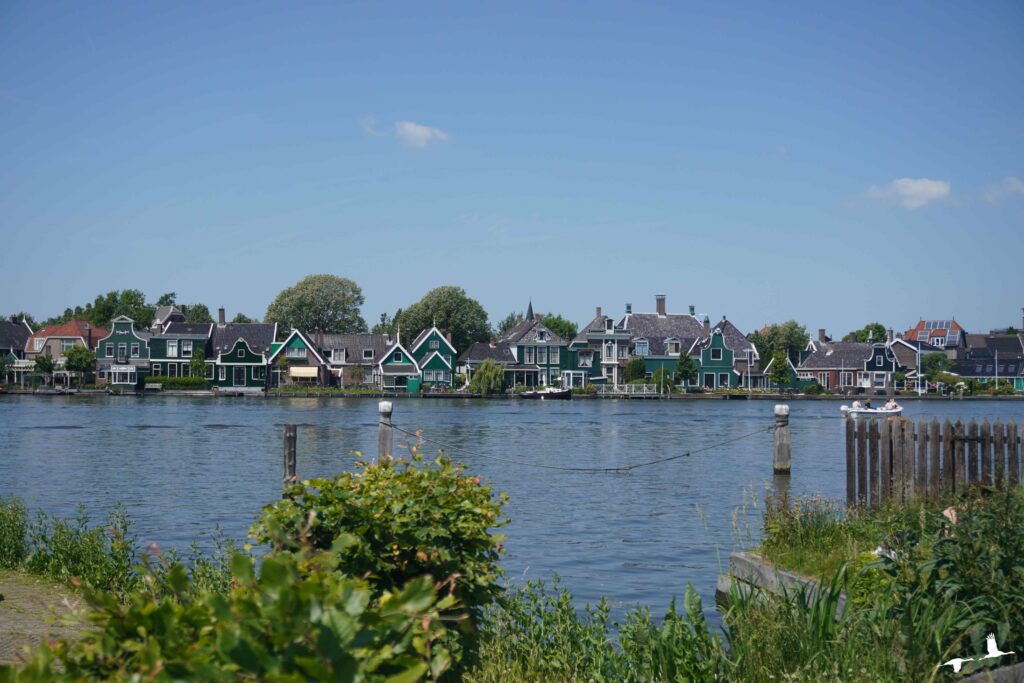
(847, 411)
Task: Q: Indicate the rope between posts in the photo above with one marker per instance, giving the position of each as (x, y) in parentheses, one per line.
(623, 468)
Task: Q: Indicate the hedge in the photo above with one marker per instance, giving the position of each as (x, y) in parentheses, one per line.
(179, 382)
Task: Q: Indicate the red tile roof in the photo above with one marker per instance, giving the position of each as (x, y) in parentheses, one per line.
(72, 328)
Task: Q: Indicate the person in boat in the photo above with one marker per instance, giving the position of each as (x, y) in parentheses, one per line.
(867, 405)
(857, 405)
(891, 404)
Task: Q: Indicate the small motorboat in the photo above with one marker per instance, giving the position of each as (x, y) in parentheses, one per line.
(849, 411)
(549, 394)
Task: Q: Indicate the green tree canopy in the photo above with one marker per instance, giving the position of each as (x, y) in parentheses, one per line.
(386, 324)
(198, 313)
(79, 359)
(507, 323)
(106, 307)
(22, 315)
(635, 369)
(327, 303)
(662, 377)
(934, 364)
(560, 326)
(686, 368)
(778, 373)
(241, 318)
(871, 332)
(167, 299)
(789, 337)
(452, 311)
(44, 364)
(198, 363)
(488, 378)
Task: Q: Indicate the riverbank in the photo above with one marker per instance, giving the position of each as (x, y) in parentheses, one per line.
(31, 610)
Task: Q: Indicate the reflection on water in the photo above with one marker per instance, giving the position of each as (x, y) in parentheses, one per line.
(184, 466)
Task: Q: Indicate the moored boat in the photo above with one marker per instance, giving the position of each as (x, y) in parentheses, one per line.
(548, 394)
(847, 411)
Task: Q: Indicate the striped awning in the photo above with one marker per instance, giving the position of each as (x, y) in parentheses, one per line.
(302, 371)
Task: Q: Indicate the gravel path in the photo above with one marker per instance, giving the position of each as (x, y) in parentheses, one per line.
(30, 610)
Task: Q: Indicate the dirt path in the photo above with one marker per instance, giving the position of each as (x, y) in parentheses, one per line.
(30, 611)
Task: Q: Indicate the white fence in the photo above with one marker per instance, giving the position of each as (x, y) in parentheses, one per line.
(630, 389)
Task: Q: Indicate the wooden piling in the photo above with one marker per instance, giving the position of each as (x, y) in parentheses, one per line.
(385, 435)
(290, 459)
(782, 453)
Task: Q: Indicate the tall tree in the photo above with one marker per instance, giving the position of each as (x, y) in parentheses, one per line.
(319, 302)
(198, 313)
(197, 365)
(635, 369)
(507, 323)
(779, 371)
(560, 326)
(22, 315)
(45, 366)
(790, 337)
(934, 364)
(871, 332)
(686, 369)
(386, 324)
(452, 311)
(79, 360)
(241, 318)
(488, 378)
(167, 299)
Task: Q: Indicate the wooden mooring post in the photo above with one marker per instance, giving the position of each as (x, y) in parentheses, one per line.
(290, 460)
(385, 434)
(898, 459)
(782, 453)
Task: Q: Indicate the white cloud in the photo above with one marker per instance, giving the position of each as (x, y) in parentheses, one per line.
(1004, 189)
(418, 135)
(911, 193)
(369, 126)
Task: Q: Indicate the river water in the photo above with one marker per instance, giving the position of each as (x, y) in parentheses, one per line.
(184, 466)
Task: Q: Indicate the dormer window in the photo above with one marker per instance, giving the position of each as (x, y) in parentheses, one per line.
(435, 344)
(608, 325)
(878, 361)
(641, 348)
(367, 354)
(397, 357)
(673, 346)
(542, 335)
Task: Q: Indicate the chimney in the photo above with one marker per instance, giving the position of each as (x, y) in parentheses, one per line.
(220, 316)
(88, 335)
(14, 318)
(693, 310)
(889, 336)
(659, 304)
(597, 312)
(822, 337)
(182, 309)
(629, 308)
(448, 336)
(707, 326)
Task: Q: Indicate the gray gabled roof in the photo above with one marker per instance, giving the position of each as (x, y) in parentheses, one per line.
(733, 338)
(481, 351)
(187, 330)
(1008, 345)
(838, 356)
(354, 345)
(14, 335)
(657, 328)
(259, 336)
(595, 325)
(527, 331)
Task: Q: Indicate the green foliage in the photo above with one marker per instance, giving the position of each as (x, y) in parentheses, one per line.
(14, 545)
(790, 337)
(327, 303)
(80, 359)
(197, 366)
(488, 378)
(933, 364)
(814, 389)
(167, 299)
(507, 323)
(297, 619)
(197, 313)
(179, 383)
(452, 311)
(662, 378)
(408, 518)
(635, 369)
(387, 325)
(45, 364)
(586, 390)
(871, 332)
(564, 328)
(27, 317)
(106, 307)
(686, 368)
(241, 319)
(1003, 388)
(779, 373)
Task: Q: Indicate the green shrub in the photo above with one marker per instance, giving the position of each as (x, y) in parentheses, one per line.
(178, 382)
(13, 533)
(409, 517)
(298, 619)
(662, 378)
(586, 390)
(814, 389)
(488, 378)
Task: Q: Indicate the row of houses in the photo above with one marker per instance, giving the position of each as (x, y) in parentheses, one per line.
(253, 356)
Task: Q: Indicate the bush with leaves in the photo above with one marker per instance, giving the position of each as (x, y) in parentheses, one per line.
(299, 618)
(488, 378)
(410, 517)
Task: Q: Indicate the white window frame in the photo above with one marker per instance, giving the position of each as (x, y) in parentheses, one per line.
(674, 348)
(172, 370)
(531, 356)
(295, 352)
(642, 348)
(240, 353)
(186, 348)
(186, 370)
(726, 376)
(39, 344)
(110, 349)
(222, 374)
(209, 371)
(156, 369)
(714, 352)
(879, 361)
(396, 357)
(542, 355)
(134, 351)
(367, 354)
(434, 344)
(259, 373)
(172, 348)
(554, 355)
(66, 345)
(846, 378)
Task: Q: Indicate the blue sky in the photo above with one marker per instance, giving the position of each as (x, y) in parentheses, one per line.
(831, 163)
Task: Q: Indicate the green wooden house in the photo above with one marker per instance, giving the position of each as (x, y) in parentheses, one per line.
(240, 355)
(435, 356)
(541, 355)
(122, 357)
(296, 361)
(179, 348)
(398, 369)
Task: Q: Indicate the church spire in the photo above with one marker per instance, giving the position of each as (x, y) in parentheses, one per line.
(529, 311)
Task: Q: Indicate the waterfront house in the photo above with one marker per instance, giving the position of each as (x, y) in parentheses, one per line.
(240, 353)
(165, 315)
(909, 355)
(835, 365)
(173, 349)
(946, 335)
(435, 356)
(398, 369)
(122, 355)
(993, 358)
(353, 359)
(595, 350)
(14, 336)
(727, 359)
(541, 356)
(55, 340)
(303, 364)
(498, 352)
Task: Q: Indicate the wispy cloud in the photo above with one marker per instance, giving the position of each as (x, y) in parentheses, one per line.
(418, 135)
(911, 193)
(369, 126)
(1005, 189)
